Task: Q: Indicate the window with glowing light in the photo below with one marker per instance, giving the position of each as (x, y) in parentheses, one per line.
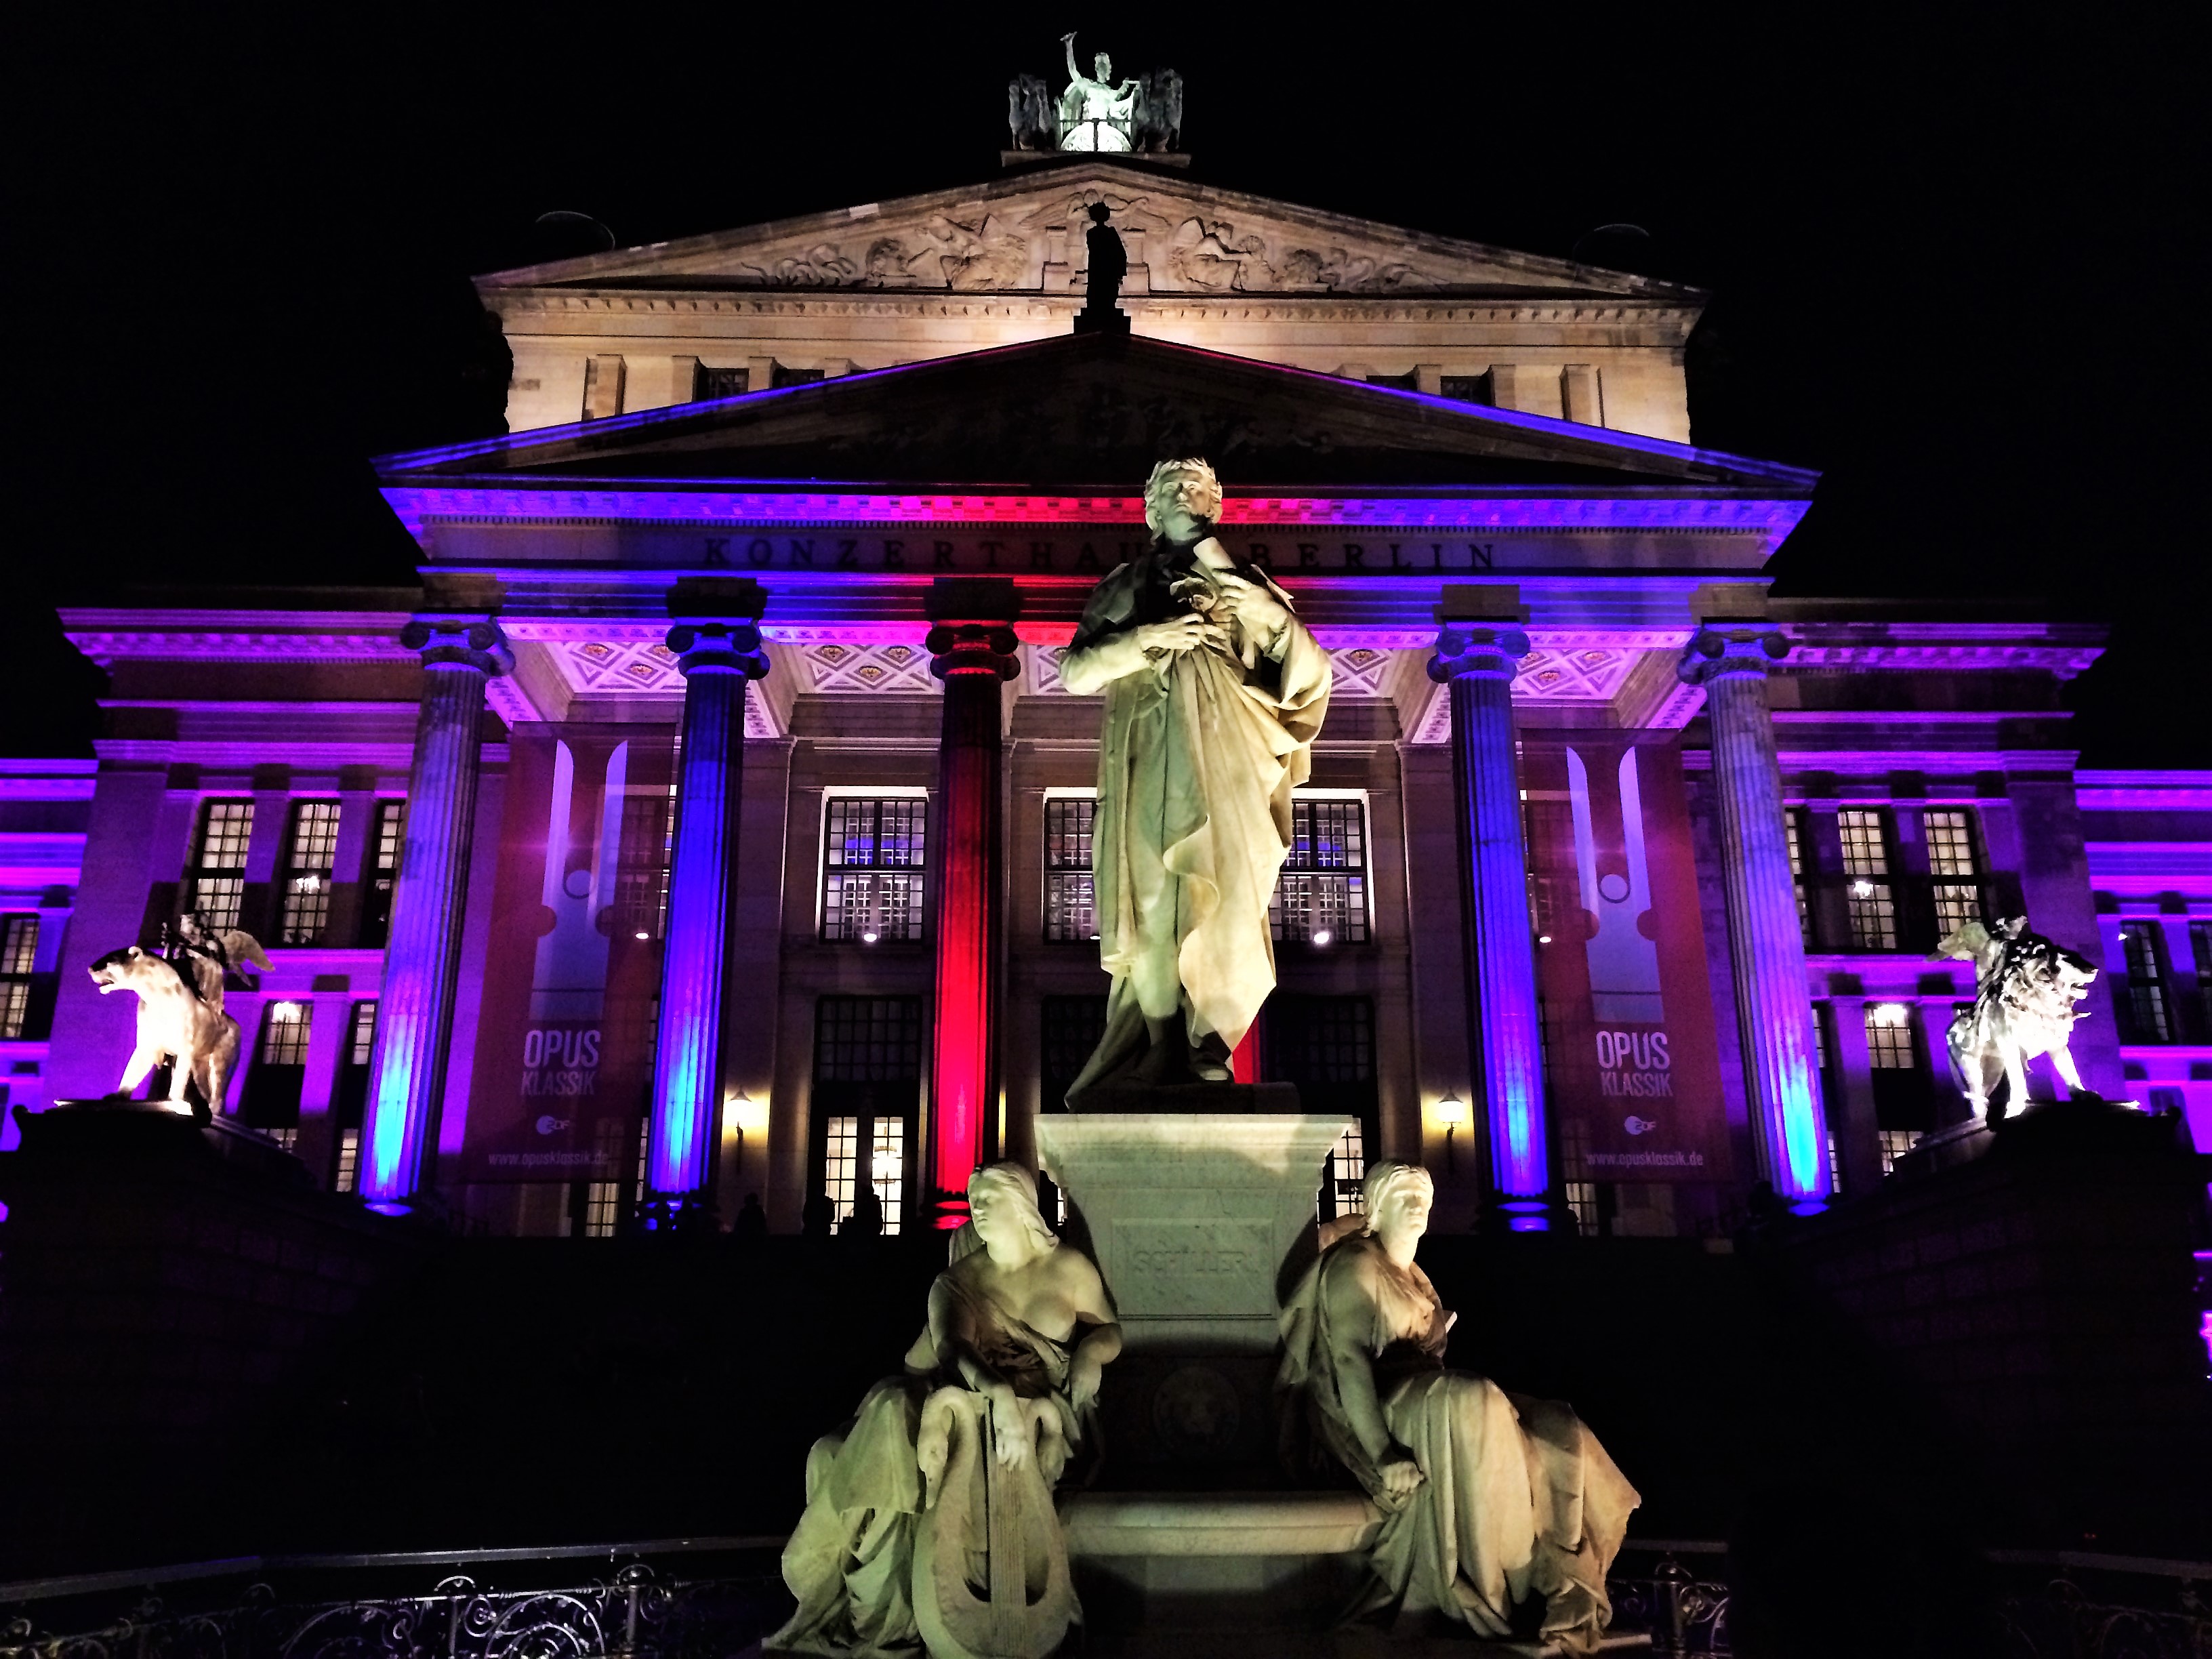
(1895, 1144)
(310, 853)
(346, 1173)
(2200, 945)
(271, 1095)
(2149, 1018)
(381, 876)
(1954, 870)
(867, 1083)
(1869, 901)
(19, 959)
(1320, 896)
(873, 868)
(643, 864)
(1582, 1193)
(1071, 906)
(1903, 1092)
(215, 884)
(606, 1203)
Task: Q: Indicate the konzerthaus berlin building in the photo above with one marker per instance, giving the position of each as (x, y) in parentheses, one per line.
(711, 820)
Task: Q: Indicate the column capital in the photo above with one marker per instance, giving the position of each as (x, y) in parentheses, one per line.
(1713, 652)
(972, 648)
(464, 641)
(727, 647)
(1482, 650)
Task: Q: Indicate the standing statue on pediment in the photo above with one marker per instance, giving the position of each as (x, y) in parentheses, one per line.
(1096, 113)
(207, 953)
(1214, 694)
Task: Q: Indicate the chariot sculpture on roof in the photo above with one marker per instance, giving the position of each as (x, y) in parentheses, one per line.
(1142, 114)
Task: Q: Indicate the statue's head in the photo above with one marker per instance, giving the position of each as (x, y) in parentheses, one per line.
(1181, 501)
(1102, 67)
(1100, 213)
(1002, 1205)
(192, 926)
(1397, 1197)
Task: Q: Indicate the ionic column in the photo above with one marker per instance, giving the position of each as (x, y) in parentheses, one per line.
(1477, 662)
(423, 953)
(718, 655)
(1766, 950)
(972, 651)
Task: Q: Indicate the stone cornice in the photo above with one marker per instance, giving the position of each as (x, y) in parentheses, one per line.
(1997, 646)
(570, 305)
(108, 635)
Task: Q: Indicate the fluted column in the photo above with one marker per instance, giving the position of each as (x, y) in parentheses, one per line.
(972, 651)
(718, 655)
(1766, 949)
(423, 953)
(1477, 663)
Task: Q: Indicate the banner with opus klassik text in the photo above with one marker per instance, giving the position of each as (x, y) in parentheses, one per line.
(1632, 1065)
(563, 1057)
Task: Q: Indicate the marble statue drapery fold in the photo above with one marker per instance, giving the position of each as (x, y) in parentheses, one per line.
(1516, 1498)
(1199, 754)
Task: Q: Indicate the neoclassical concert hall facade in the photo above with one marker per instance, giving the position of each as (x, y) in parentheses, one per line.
(710, 819)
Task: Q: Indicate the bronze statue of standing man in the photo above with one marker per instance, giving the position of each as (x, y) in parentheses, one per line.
(1214, 694)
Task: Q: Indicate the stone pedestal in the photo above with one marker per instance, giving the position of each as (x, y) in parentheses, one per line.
(1196, 1221)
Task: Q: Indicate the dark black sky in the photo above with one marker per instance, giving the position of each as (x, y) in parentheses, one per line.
(1959, 267)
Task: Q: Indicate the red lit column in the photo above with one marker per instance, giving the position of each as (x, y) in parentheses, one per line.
(972, 650)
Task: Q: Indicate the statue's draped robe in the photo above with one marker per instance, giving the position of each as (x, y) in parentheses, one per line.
(1520, 1499)
(850, 1561)
(1197, 760)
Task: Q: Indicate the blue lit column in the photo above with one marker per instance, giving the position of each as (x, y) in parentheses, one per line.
(423, 953)
(718, 655)
(1477, 662)
(1766, 948)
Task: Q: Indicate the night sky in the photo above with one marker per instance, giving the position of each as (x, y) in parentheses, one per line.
(1960, 271)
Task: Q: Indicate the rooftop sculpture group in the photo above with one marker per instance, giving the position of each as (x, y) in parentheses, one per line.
(1096, 113)
(2027, 995)
(181, 1022)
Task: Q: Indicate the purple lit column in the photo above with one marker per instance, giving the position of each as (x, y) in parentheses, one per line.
(718, 655)
(1477, 662)
(1766, 947)
(423, 953)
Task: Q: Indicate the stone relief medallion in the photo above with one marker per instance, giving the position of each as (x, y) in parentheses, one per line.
(1195, 1412)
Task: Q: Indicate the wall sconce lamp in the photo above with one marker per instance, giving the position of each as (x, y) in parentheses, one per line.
(741, 1114)
(1451, 1112)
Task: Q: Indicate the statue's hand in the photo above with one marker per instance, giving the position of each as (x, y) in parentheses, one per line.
(1402, 1476)
(1011, 1435)
(1180, 634)
(1260, 611)
(1083, 1379)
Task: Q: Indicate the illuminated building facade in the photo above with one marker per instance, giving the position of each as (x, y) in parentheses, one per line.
(711, 820)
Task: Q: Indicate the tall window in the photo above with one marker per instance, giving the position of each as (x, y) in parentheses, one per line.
(2200, 945)
(1069, 1028)
(2148, 1017)
(312, 853)
(1793, 826)
(1904, 1107)
(1870, 902)
(707, 383)
(350, 1106)
(280, 1066)
(867, 1077)
(1326, 1045)
(1321, 897)
(1954, 870)
(1071, 908)
(19, 957)
(872, 868)
(604, 1201)
(1574, 1162)
(643, 864)
(216, 884)
(1343, 1174)
(382, 876)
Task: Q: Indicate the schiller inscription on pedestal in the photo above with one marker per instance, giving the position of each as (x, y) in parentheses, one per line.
(1184, 1267)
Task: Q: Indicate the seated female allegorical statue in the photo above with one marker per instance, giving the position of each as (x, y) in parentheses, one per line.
(939, 1491)
(1490, 1499)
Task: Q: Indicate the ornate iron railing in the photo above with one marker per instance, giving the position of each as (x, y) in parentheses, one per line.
(1684, 1614)
(633, 1614)
(2074, 1616)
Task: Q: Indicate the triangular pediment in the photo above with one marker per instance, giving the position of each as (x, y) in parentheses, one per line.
(1021, 234)
(1096, 411)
